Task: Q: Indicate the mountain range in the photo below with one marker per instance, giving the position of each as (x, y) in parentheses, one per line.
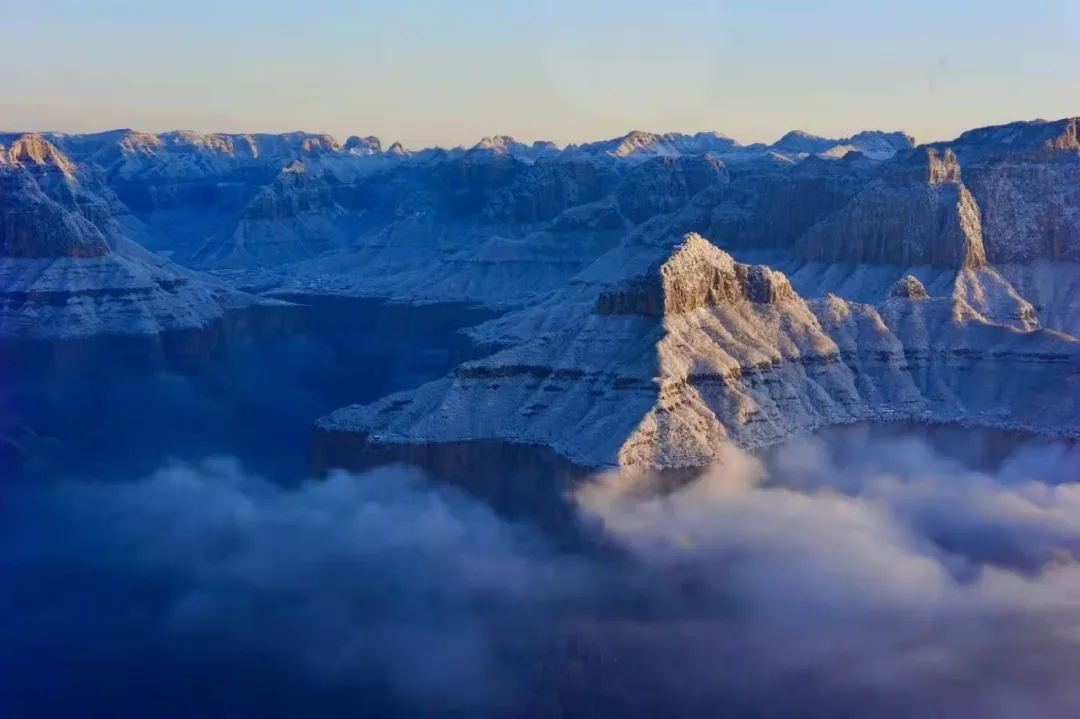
(651, 297)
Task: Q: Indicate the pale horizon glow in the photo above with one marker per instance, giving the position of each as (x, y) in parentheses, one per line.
(430, 72)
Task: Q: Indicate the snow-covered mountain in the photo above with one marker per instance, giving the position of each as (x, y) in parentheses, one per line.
(74, 288)
(873, 144)
(656, 294)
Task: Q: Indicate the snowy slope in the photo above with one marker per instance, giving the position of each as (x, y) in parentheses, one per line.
(697, 350)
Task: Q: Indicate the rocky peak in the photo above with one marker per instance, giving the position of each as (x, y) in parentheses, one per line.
(874, 144)
(896, 140)
(1024, 177)
(925, 165)
(909, 287)
(696, 274)
(363, 146)
(313, 144)
(499, 143)
(634, 142)
(798, 142)
(943, 168)
(139, 142)
(504, 145)
(296, 167)
(32, 150)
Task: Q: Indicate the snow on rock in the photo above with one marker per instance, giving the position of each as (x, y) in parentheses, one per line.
(697, 274)
(192, 195)
(70, 279)
(917, 212)
(908, 287)
(33, 225)
(661, 293)
(643, 145)
(872, 144)
(1026, 180)
(294, 218)
(33, 150)
(363, 146)
(672, 363)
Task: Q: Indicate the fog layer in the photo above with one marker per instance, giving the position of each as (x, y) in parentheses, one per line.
(854, 577)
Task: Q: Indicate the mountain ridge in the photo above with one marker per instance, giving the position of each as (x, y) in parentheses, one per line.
(651, 296)
(623, 145)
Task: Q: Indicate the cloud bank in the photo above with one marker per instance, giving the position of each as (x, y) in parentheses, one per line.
(855, 577)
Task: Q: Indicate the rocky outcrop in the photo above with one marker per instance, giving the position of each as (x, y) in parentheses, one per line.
(59, 179)
(696, 275)
(34, 226)
(363, 146)
(1026, 180)
(506, 145)
(908, 287)
(917, 213)
(32, 151)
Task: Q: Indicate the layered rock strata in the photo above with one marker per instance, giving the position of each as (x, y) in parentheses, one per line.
(702, 350)
(917, 213)
(74, 290)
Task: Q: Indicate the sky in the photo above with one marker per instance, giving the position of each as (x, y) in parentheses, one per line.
(426, 72)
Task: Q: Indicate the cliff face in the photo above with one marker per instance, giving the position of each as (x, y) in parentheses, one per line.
(770, 205)
(917, 213)
(543, 191)
(125, 308)
(664, 184)
(1026, 179)
(32, 225)
(33, 152)
(44, 211)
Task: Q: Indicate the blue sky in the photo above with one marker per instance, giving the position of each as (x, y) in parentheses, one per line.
(451, 71)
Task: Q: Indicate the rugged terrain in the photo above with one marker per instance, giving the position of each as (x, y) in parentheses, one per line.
(637, 302)
(74, 286)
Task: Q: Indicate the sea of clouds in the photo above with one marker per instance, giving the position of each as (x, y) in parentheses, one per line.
(854, 577)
